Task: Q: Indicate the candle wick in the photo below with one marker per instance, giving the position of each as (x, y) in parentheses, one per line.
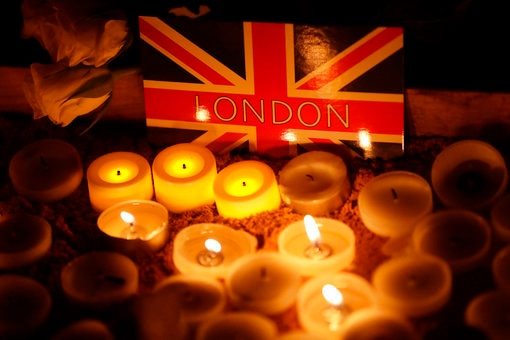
(244, 183)
(394, 194)
(111, 278)
(184, 166)
(309, 176)
(118, 172)
(43, 161)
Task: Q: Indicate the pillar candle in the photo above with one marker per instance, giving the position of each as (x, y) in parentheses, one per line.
(264, 282)
(489, 312)
(469, 174)
(24, 239)
(118, 176)
(460, 237)
(237, 325)
(183, 176)
(26, 305)
(413, 285)
(135, 226)
(315, 183)
(332, 250)
(392, 203)
(99, 279)
(191, 256)
(46, 170)
(246, 188)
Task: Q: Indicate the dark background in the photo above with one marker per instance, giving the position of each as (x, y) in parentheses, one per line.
(449, 44)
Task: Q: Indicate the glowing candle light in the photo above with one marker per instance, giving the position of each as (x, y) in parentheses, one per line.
(211, 255)
(316, 250)
(336, 312)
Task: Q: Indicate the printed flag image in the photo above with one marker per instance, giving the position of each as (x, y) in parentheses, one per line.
(275, 88)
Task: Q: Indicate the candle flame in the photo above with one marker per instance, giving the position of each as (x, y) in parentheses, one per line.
(312, 230)
(127, 217)
(332, 295)
(364, 139)
(212, 245)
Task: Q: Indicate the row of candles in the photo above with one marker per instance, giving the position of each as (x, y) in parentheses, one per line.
(396, 204)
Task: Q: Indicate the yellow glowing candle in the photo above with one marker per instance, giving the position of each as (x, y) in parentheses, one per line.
(246, 188)
(183, 177)
(118, 176)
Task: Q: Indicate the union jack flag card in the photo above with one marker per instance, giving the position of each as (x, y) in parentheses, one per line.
(276, 89)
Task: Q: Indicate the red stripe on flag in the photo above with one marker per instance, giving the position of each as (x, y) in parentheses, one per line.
(350, 60)
(181, 53)
(223, 142)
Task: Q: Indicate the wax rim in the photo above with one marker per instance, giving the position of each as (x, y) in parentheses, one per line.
(500, 217)
(488, 312)
(500, 268)
(158, 165)
(94, 168)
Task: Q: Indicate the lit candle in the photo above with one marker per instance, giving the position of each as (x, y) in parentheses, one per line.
(489, 312)
(246, 188)
(99, 279)
(183, 176)
(198, 297)
(315, 183)
(460, 237)
(500, 217)
(469, 174)
(263, 282)
(26, 305)
(210, 248)
(85, 329)
(390, 204)
(324, 302)
(375, 323)
(136, 226)
(316, 246)
(46, 170)
(237, 325)
(501, 268)
(118, 176)
(413, 285)
(24, 239)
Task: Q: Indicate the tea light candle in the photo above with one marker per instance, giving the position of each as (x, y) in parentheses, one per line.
(85, 329)
(489, 312)
(460, 237)
(263, 282)
(136, 226)
(469, 174)
(237, 325)
(500, 217)
(198, 297)
(99, 279)
(314, 183)
(118, 176)
(323, 311)
(413, 285)
(46, 170)
(501, 268)
(374, 323)
(24, 239)
(316, 246)
(246, 188)
(183, 176)
(191, 255)
(26, 305)
(392, 203)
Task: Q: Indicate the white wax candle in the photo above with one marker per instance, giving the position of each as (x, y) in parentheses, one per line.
(99, 279)
(136, 226)
(333, 253)
(88, 328)
(501, 268)
(413, 285)
(198, 297)
(392, 203)
(315, 183)
(24, 239)
(469, 174)
(26, 305)
(190, 255)
(489, 312)
(118, 176)
(46, 170)
(500, 217)
(319, 316)
(460, 237)
(246, 188)
(183, 176)
(263, 282)
(374, 323)
(237, 325)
